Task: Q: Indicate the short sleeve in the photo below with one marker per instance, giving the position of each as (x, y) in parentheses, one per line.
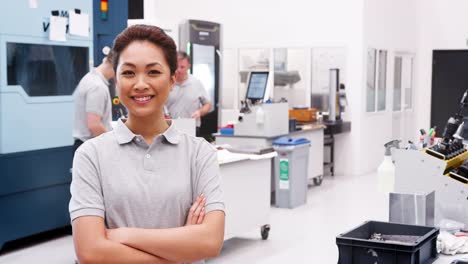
(96, 100)
(86, 192)
(208, 179)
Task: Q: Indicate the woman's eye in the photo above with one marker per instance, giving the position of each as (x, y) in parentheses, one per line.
(153, 72)
(127, 73)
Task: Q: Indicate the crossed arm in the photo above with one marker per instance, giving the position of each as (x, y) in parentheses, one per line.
(201, 237)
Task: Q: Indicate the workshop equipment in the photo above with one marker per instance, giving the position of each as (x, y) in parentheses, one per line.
(313, 132)
(293, 125)
(251, 174)
(332, 129)
(412, 208)
(337, 101)
(38, 78)
(386, 169)
(203, 43)
(39, 73)
(303, 114)
(442, 167)
(291, 171)
(366, 244)
(333, 114)
(452, 142)
(418, 172)
(273, 121)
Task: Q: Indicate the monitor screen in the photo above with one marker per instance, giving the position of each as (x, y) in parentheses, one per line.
(257, 85)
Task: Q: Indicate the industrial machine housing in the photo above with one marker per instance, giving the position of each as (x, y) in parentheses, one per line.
(37, 79)
(202, 41)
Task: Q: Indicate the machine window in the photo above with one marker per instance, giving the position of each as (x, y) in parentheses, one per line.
(46, 70)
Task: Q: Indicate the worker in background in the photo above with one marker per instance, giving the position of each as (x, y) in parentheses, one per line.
(93, 108)
(188, 98)
(146, 192)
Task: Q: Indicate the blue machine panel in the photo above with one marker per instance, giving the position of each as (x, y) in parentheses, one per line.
(31, 170)
(19, 19)
(105, 30)
(34, 192)
(36, 120)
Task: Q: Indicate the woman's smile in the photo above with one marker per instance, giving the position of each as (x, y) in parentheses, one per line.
(142, 99)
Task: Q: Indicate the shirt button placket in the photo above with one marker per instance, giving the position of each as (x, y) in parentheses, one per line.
(147, 164)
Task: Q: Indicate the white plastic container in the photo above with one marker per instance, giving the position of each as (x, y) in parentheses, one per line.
(386, 175)
(260, 116)
(386, 169)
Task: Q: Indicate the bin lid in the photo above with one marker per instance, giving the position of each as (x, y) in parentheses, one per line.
(289, 141)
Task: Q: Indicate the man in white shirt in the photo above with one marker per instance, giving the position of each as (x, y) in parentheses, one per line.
(93, 108)
(188, 98)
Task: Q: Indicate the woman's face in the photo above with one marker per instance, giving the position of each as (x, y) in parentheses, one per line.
(143, 79)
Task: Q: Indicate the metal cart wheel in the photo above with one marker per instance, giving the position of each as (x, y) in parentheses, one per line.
(265, 231)
(318, 180)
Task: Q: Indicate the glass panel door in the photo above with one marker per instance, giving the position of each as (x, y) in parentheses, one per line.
(203, 65)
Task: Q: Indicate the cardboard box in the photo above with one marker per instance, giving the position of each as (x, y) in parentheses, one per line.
(304, 115)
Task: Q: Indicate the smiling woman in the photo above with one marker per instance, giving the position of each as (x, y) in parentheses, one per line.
(136, 208)
(144, 80)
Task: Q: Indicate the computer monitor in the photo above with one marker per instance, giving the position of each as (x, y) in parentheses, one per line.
(257, 86)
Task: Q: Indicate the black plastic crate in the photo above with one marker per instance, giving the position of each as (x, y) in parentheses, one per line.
(355, 247)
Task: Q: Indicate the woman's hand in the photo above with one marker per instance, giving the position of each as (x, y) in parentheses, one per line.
(196, 213)
(119, 235)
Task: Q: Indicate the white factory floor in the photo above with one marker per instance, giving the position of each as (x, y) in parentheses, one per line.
(302, 235)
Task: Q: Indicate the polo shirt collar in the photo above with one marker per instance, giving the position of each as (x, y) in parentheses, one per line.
(98, 73)
(171, 134)
(125, 135)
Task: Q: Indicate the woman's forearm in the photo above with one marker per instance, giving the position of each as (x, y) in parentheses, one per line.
(181, 244)
(106, 251)
(93, 246)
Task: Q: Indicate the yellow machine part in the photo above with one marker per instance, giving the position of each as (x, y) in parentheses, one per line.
(455, 162)
(451, 164)
(457, 177)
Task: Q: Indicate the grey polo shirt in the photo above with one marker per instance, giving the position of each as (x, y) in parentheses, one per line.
(92, 96)
(129, 183)
(186, 98)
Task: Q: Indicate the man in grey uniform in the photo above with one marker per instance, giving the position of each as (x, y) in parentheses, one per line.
(188, 98)
(93, 107)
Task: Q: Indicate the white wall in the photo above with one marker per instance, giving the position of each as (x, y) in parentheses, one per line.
(420, 26)
(294, 23)
(442, 25)
(263, 22)
(416, 26)
(391, 26)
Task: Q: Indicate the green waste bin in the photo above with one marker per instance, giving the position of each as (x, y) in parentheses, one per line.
(291, 167)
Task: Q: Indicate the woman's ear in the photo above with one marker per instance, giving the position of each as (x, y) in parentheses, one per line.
(173, 81)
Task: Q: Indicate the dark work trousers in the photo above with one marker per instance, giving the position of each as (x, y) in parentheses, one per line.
(76, 145)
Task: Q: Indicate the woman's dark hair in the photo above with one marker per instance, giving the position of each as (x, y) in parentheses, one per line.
(149, 33)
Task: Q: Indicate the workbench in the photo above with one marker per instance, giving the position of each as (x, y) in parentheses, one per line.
(312, 131)
(245, 180)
